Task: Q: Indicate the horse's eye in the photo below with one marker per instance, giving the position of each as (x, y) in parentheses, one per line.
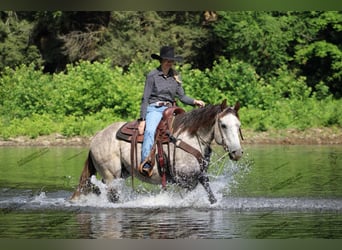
(224, 126)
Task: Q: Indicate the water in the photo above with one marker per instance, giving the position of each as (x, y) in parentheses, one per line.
(273, 192)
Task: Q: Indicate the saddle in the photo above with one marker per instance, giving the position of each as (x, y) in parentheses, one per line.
(129, 133)
(130, 129)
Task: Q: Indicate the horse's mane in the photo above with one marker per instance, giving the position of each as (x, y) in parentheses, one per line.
(195, 119)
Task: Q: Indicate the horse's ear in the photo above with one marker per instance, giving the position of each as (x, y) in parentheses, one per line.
(224, 104)
(237, 106)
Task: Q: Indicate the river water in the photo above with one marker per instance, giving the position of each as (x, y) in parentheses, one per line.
(275, 191)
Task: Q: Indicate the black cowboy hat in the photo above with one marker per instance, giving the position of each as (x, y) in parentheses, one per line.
(167, 52)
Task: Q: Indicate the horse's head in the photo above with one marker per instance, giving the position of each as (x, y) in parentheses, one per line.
(227, 130)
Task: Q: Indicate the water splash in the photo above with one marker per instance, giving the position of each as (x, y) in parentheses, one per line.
(174, 197)
(227, 176)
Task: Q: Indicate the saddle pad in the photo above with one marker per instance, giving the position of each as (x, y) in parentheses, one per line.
(127, 130)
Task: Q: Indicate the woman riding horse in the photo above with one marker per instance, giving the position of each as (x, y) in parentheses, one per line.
(196, 129)
(162, 85)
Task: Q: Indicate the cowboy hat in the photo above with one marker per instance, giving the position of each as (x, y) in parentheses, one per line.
(167, 52)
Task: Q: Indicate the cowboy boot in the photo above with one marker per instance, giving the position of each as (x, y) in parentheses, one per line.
(146, 168)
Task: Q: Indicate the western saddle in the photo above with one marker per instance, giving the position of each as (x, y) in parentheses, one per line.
(129, 133)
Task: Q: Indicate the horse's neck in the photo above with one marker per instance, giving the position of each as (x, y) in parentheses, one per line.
(201, 140)
(196, 127)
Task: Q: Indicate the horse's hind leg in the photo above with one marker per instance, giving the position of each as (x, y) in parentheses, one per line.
(204, 180)
(112, 193)
(85, 186)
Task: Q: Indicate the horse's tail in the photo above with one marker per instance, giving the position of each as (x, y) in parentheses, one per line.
(88, 170)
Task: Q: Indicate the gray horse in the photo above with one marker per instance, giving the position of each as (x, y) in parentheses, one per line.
(111, 157)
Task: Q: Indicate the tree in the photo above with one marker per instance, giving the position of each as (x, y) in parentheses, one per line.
(135, 35)
(15, 48)
(259, 38)
(318, 53)
(66, 37)
(307, 43)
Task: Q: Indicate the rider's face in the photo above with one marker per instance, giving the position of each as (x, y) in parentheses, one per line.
(167, 64)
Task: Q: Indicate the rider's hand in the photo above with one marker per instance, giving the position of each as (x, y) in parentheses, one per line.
(141, 127)
(199, 103)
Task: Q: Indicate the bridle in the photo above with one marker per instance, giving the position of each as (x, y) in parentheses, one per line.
(219, 115)
(203, 159)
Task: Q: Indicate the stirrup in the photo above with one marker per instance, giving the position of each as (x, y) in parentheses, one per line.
(144, 170)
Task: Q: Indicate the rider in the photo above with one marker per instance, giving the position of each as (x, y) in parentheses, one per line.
(162, 85)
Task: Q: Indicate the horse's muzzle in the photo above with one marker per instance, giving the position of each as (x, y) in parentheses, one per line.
(235, 155)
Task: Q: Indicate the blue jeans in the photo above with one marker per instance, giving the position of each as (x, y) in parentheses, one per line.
(153, 117)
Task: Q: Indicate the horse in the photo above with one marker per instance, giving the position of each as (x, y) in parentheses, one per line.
(110, 157)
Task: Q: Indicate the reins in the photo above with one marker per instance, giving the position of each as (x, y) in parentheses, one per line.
(179, 143)
(241, 134)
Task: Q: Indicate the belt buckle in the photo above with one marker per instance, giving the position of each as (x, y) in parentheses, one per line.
(160, 104)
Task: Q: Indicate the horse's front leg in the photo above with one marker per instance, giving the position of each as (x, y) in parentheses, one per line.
(204, 180)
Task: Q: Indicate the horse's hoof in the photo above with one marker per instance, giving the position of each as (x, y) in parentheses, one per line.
(113, 195)
(75, 196)
(96, 190)
(212, 200)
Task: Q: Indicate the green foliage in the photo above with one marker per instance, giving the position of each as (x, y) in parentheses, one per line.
(297, 114)
(85, 88)
(324, 60)
(306, 43)
(24, 91)
(238, 81)
(15, 47)
(135, 35)
(284, 68)
(233, 81)
(86, 125)
(258, 38)
(79, 102)
(32, 126)
(91, 96)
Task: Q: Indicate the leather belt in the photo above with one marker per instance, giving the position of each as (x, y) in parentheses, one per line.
(160, 104)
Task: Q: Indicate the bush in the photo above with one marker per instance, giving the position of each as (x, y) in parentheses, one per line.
(24, 91)
(32, 126)
(233, 81)
(294, 114)
(90, 96)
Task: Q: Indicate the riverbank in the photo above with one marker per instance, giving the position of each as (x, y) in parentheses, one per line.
(313, 136)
